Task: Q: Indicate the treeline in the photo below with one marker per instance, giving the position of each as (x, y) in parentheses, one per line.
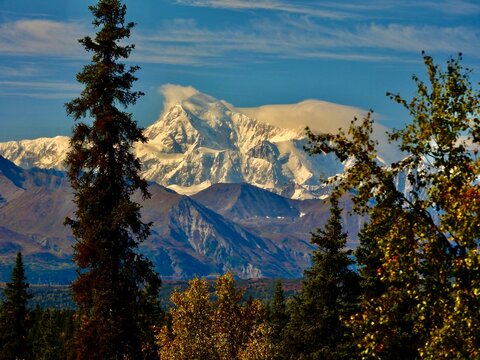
(50, 332)
(60, 296)
(32, 334)
(206, 324)
(200, 324)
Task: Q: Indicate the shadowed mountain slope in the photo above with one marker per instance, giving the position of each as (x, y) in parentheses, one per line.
(236, 227)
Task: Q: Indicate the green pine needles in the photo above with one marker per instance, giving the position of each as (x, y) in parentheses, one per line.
(116, 290)
(317, 328)
(13, 315)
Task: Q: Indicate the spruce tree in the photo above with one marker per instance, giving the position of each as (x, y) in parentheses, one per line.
(278, 319)
(317, 328)
(13, 315)
(116, 285)
(50, 333)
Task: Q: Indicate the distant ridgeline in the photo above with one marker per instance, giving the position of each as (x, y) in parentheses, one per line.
(59, 297)
(250, 231)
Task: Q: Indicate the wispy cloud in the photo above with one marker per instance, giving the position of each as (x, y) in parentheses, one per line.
(343, 9)
(24, 14)
(301, 38)
(293, 36)
(40, 89)
(451, 7)
(297, 7)
(42, 37)
(20, 71)
(415, 38)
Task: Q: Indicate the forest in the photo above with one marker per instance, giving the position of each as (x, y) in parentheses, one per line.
(410, 290)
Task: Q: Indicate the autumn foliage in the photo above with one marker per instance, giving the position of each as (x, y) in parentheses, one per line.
(216, 325)
(418, 255)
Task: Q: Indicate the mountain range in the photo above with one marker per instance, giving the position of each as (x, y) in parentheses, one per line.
(199, 141)
(229, 192)
(238, 227)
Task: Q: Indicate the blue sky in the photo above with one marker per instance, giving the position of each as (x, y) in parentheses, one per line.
(247, 52)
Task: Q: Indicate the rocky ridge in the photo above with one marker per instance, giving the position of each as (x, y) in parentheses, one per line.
(204, 235)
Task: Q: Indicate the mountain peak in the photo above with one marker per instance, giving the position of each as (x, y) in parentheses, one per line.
(200, 140)
(245, 201)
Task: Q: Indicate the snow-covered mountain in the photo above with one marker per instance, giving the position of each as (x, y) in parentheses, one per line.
(199, 141)
(44, 153)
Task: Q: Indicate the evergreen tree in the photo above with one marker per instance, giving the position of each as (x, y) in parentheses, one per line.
(50, 333)
(317, 328)
(13, 315)
(115, 283)
(278, 319)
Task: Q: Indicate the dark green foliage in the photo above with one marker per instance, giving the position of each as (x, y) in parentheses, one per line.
(13, 315)
(60, 296)
(277, 319)
(116, 289)
(51, 333)
(277, 311)
(317, 328)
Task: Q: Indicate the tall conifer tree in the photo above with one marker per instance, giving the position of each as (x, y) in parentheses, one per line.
(278, 319)
(13, 315)
(317, 328)
(115, 283)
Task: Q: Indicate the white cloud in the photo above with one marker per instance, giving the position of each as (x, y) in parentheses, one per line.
(289, 35)
(184, 42)
(20, 71)
(297, 7)
(372, 9)
(42, 37)
(320, 116)
(40, 95)
(42, 85)
(175, 94)
(23, 14)
(40, 89)
(413, 38)
(451, 7)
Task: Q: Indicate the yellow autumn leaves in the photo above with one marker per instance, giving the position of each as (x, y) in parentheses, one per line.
(216, 326)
